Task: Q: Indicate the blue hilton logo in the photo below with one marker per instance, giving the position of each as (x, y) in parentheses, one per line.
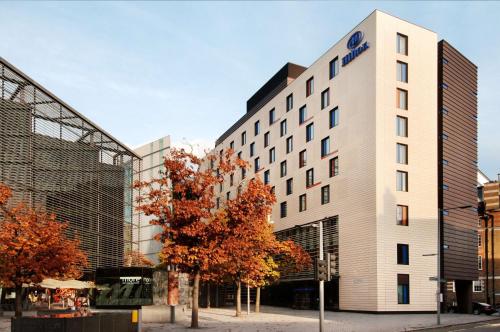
(354, 44)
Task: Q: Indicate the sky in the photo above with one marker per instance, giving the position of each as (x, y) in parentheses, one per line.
(143, 70)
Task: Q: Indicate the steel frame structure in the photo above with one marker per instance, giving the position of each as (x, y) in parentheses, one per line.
(57, 160)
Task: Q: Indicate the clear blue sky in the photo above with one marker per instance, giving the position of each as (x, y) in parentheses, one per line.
(145, 70)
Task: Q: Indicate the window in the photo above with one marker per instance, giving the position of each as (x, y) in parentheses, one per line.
(267, 177)
(445, 162)
(444, 86)
(325, 98)
(283, 210)
(221, 187)
(231, 145)
(217, 203)
(334, 67)
(403, 258)
(273, 190)
(310, 177)
(302, 203)
(289, 144)
(310, 87)
(289, 186)
(325, 195)
(401, 181)
(272, 116)
(266, 139)
(309, 132)
(334, 117)
(283, 168)
(239, 155)
(289, 102)
(228, 195)
(444, 136)
(444, 111)
(402, 215)
(256, 164)
(402, 72)
(402, 99)
(402, 153)
(256, 127)
(479, 240)
(479, 262)
(325, 147)
(302, 158)
(272, 155)
(231, 179)
(403, 289)
(243, 138)
(402, 126)
(402, 44)
(334, 167)
(243, 172)
(445, 187)
(478, 286)
(252, 149)
(283, 128)
(302, 114)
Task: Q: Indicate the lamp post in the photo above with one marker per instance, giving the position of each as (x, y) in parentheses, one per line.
(438, 254)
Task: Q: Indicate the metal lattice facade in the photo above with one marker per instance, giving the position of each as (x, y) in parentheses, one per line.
(308, 237)
(55, 159)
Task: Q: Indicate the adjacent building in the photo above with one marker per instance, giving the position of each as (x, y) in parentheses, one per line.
(152, 155)
(56, 159)
(368, 140)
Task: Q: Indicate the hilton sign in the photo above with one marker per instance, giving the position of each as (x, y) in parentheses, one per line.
(354, 44)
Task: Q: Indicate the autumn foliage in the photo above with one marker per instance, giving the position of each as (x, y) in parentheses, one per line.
(33, 246)
(136, 258)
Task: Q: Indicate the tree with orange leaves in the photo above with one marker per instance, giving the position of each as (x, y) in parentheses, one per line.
(136, 258)
(181, 201)
(249, 243)
(33, 246)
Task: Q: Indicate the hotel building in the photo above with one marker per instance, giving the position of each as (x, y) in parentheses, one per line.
(376, 139)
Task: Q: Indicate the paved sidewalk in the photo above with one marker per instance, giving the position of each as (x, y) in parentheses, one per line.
(273, 319)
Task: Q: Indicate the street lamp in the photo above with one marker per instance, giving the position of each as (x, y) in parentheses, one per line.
(438, 254)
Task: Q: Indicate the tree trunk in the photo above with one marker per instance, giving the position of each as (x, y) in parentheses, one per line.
(208, 294)
(19, 301)
(238, 298)
(196, 292)
(257, 300)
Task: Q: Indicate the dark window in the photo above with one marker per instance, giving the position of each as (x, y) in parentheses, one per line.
(228, 195)
(402, 72)
(402, 153)
(283, 168)
(402, 44)
(402, 99)
(289, 102)
(325, 195)
(403, 255)
(302, 203)
(267, 177)
(221, 187)
(273, 190)
(243, 138)
(325, 147)
(217, 203)
(325, 98)
(266, 139)
(310, 177)
(309, 132)
(403, 289)
(334, 117)
(289, 186)
(402, 215)
(231, 145)
(256, 164)
(243, 172)
(252, 149)
(283, 128)
(334, 166)
(272, 155)
(334, 67)
(231, 179)
(302, 158)
(289, 144)
(256, 128)
(302, 114)
(272, 116)
(310, 87)
(283, 210)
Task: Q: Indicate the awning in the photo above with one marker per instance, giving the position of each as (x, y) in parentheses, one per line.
(68, 284)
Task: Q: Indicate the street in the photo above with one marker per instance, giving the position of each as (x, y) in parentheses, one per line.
(476, 327)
